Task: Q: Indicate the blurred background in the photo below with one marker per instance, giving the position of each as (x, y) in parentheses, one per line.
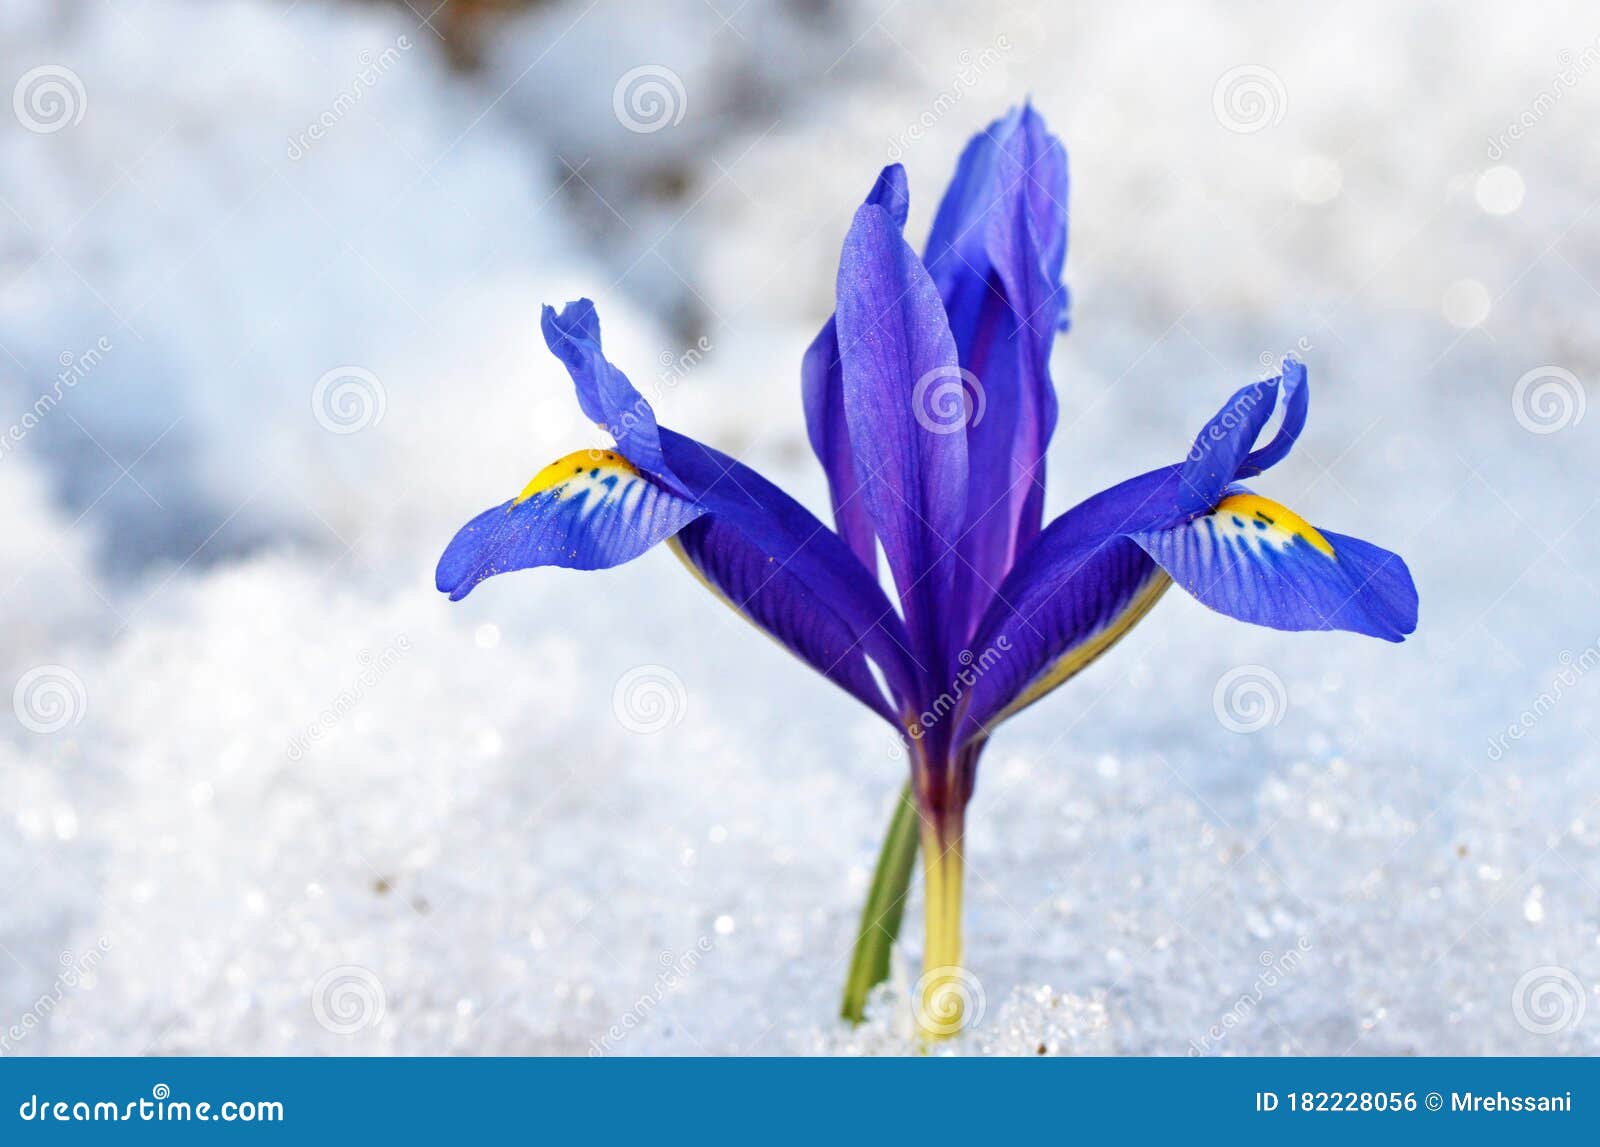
(269, 279)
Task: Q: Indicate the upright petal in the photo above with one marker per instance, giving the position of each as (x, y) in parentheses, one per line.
(996, 251)
(896, 350)
(822, 390)
(1296, 399)
(604, 392)
(1222, 447)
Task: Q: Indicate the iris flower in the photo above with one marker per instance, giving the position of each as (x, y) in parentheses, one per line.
(929, 403)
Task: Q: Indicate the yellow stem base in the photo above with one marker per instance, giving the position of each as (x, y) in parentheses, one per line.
(943, 1000)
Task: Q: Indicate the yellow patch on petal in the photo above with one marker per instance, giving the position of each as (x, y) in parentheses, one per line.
(592, 462)
(1279, 521)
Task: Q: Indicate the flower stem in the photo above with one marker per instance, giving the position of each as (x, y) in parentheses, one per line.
(941, 999)
(885, 908)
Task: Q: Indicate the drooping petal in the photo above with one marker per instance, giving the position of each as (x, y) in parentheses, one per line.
(756, 548)
(604, 392)
(896, 352)
(1258, 561)
(822, 390)
(1072, 595)
(995, 252)
(776, 529)
(814, 594)
(781, 604)
(1099, 567)
(589, 510)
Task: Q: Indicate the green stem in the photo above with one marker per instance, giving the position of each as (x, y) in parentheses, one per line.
(885, 907)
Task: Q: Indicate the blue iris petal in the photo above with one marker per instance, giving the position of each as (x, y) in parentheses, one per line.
(896, 351)
(1256, 561)
(822, 391)
(604, 392)
(599, 517)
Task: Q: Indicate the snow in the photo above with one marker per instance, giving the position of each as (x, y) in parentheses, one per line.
(299, 803)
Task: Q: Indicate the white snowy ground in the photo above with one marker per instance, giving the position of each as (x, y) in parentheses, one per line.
(266, 791)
